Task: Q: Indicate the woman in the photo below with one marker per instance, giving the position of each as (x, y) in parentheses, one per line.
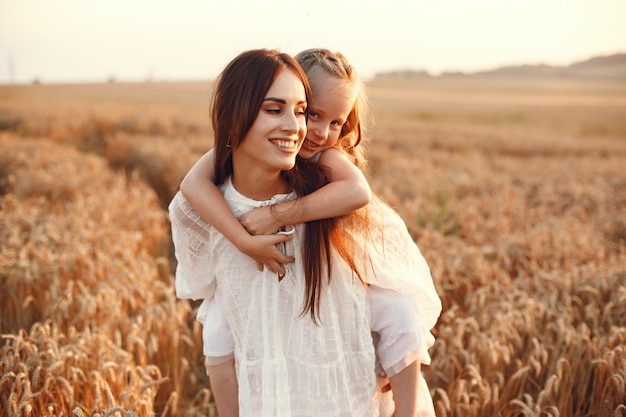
(403, 302)
(302, 343)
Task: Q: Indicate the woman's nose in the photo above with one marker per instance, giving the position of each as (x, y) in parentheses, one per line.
(290, 122)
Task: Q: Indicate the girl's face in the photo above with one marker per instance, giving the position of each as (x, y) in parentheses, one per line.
(278, 131)
(332, 102)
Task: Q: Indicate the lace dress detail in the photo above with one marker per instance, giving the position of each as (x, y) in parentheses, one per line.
(287, 365)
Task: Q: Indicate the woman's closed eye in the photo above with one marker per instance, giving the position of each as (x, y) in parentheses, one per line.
(300, 112)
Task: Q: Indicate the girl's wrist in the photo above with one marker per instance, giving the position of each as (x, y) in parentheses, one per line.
(278, 212)
(242, 242)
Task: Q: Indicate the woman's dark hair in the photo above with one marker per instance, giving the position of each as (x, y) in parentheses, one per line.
(237, 99)
(322, 235)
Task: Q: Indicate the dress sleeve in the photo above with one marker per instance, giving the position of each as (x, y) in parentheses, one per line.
(192, 238)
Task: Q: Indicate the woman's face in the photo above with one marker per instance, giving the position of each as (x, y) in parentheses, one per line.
(279, 129)
(332, 101)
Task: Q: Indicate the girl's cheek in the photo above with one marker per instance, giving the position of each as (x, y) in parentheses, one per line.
(332, 140)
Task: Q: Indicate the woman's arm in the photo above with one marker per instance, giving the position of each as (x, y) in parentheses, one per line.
(347, 191)
(208, 202)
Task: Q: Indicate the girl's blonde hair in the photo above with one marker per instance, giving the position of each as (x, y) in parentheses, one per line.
(320, 62)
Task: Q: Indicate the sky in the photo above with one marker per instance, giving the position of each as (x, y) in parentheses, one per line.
(136, 40)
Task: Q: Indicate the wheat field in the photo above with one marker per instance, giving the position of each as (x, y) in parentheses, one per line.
(514, 190)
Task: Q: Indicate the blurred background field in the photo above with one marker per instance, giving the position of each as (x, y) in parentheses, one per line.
(513, 188)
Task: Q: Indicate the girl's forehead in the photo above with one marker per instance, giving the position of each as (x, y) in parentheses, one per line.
(327, 81)
(333, 90)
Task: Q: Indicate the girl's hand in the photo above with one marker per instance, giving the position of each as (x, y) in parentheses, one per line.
(260, 221)
(263, 250)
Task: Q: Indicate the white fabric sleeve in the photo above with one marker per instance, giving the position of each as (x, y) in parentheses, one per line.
(192, 243)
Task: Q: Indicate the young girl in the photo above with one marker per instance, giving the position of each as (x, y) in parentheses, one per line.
(403, 301)
(303, 344)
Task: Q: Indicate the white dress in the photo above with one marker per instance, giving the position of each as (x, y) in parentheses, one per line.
(393, 265)
(403, 300)
(287, 365)
(404, 303)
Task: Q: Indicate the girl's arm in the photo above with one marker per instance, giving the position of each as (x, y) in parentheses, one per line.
(207, 200)
(347, 191)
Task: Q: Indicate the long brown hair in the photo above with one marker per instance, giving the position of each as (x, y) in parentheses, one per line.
(237, 98)
(238, 95)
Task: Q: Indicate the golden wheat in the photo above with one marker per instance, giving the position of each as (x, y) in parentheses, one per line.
(514, 191)
(91, 265)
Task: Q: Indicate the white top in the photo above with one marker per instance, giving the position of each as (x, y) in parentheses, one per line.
(389, 258)
(287, 366)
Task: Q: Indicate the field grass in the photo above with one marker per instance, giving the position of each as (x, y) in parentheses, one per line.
(515, 191)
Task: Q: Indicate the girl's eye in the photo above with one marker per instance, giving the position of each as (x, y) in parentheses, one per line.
(273, 111)
(313, 115)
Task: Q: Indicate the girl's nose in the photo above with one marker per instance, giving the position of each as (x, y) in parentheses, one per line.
(321, 132)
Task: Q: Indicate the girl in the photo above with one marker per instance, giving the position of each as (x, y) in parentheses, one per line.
(402, 298)
(287, 363)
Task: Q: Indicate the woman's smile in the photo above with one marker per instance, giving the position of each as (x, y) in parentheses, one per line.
(288, 145)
